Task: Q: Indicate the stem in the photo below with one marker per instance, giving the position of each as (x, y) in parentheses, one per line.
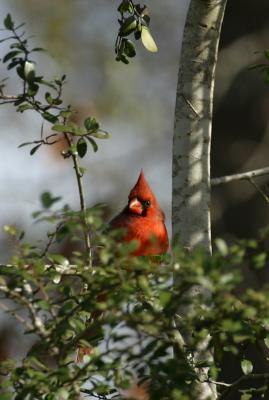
(259, 190)
(87, 240)
(240, 176)
(38, 325)
(250, 378)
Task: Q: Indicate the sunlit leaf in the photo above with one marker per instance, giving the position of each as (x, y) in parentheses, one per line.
(148, 40)
(246, 366)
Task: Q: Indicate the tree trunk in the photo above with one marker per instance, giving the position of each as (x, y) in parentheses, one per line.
(192, 140)
(193, 123)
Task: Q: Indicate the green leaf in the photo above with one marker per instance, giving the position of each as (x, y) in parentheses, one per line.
(29, 71)
(24, 107)
(129, 48)
(81, 147)
(91, 124)
(47, 199)
(72, 128)
(122, 58)
(128, 26)
(49, 98)
(8, 23)
(20, 72)
(66, 114)
(10, 55)
(50, 117)
(34, 149)
(77, 324)
(148, 40)
(165, 297)
(93, 143)
(14, 63)
(126, 6)
(32, 89)
(246, 366)
(260, 260)
(10, 230)
(38, 49)
(101, 135)
(246, 396)
(62, 128)
(221, 246)
(62, 394)
(59, 259)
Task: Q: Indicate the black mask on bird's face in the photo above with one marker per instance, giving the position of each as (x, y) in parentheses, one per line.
(138, 206)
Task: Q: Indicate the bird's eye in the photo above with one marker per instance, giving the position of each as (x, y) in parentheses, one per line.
(147, 203)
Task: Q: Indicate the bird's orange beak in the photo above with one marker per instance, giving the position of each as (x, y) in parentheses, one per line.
(135, 206)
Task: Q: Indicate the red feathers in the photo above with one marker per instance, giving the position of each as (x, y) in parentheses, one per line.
(143, 220)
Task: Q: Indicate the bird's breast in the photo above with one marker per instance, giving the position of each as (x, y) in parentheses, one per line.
(151, 235)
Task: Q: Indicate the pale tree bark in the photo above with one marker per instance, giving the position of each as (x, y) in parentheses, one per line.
(193, 123)
(192, 140)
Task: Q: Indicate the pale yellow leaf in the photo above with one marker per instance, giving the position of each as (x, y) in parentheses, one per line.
(148, 40)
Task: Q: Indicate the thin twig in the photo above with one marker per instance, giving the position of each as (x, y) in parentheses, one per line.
(218, 383)
(259, 190)
(17, 316)
(3, 97)
(36, 320)
(238, 177)
(82, 202)
(250, 378)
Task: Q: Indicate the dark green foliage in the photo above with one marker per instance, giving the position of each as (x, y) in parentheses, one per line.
(126, 310)
(143, 319)
(48, 104)
(134, 19)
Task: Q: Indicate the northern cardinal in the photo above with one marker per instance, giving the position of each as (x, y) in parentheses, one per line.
(143, 220)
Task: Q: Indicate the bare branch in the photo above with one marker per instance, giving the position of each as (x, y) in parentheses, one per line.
(19, 297)
(3, 97)
(259, 190)
(239, 177)
(17, 316)
(250, 378)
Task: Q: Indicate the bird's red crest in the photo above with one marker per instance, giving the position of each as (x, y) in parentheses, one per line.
(142, 190)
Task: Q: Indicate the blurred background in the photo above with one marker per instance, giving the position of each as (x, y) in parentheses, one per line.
(135, 103)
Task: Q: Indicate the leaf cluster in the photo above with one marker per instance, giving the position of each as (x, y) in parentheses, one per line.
(135, 20)
(45, 97)
(141, 318)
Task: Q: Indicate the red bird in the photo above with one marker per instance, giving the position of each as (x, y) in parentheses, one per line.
(143, 220)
